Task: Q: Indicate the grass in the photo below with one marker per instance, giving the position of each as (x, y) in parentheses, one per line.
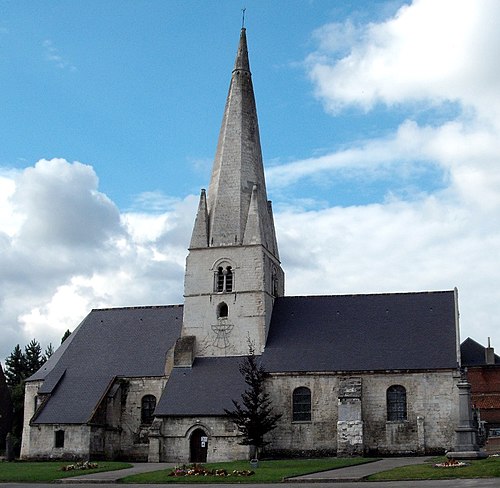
(267, 472)
(481, 468)
(48, 471)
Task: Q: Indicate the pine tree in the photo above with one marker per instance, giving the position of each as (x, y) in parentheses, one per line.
(255, 417)
(5, 409)
(49, 350)
(33, 357)
(65, 336)
(16, 372)
(15, 367)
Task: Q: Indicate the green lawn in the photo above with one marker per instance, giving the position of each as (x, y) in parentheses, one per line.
(483, 468)
(267, 472)
(48, 471)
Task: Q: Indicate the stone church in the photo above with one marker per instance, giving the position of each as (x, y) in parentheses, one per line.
(351, 374)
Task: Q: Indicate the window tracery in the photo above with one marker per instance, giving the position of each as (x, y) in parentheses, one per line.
(148, 405)
(224, 279)
(301, 404)
(396, 403)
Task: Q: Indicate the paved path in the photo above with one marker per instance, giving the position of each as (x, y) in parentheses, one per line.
(359, 472)
(349, 474)
(113, 476)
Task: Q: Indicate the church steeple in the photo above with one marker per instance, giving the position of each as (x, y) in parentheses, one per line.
(238, 167)
(233, 273)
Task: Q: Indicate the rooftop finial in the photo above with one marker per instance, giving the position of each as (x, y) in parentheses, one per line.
(243, 10)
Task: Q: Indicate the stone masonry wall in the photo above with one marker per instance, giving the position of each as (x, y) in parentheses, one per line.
(133, 438)
(432, 405)
(42, 442)
(222, 439)
(248, 311)
(319, 436)
(30, 392)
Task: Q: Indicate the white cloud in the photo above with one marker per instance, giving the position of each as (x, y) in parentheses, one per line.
(428, 55)
(67, 249)
(430, 51)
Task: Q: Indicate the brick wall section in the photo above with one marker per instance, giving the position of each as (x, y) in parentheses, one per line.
(485, 391)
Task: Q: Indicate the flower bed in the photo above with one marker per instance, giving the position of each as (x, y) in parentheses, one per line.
(79, 466)
(200, 470)
(452, 463)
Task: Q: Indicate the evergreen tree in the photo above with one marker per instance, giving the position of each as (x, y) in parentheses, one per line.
(18, 367)
(255, 417)
(65, 336)
(16, 372)
(49, 350)
(5, 410)
(15, 367)
(33, 357)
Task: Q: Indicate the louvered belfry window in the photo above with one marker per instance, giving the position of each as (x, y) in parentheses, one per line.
(224, 279)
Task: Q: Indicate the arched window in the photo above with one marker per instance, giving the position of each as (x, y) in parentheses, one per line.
(396, 403)
(222, 311)
(148, 406)
(224, 279)
(301, 402)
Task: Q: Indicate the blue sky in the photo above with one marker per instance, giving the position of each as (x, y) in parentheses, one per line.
(136, 88)
(379, 121)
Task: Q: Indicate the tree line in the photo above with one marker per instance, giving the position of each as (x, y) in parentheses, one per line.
(20, 365)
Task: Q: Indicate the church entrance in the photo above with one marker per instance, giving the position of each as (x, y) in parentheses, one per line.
(198, 446)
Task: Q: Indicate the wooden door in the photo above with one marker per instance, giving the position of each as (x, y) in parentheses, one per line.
(198, 445)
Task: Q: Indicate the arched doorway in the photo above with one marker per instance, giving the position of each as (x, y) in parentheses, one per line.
(198, 446)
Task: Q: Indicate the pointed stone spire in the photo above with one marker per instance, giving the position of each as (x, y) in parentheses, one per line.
(238, 163)
(233, 274)
(241, 62)
(254, 230)
(199, 238)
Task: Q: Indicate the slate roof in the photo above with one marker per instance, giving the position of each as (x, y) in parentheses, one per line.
(379, 332)
(403, 331)
(204, 389)
(123, 342)
(474, 354)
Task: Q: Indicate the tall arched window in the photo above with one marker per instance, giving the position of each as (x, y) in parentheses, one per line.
(148, 406)
(396, 403)
(301, 402)
(224, 279)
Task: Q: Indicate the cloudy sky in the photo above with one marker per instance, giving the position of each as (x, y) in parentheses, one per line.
(380, 126)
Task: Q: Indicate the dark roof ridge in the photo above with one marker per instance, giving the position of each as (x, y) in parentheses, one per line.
(137, 307)
(388, 293)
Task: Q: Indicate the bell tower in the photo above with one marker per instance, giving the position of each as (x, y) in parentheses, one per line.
(233, 272)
